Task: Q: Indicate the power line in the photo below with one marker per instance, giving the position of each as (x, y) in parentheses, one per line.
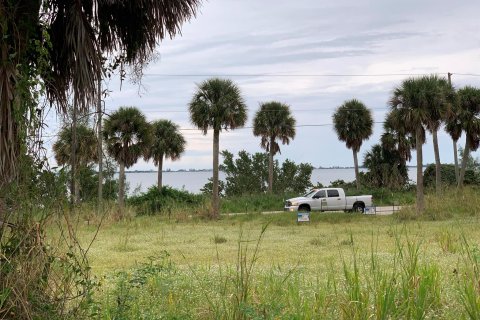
(189, 75)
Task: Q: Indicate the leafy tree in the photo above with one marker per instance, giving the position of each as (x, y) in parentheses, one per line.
(86, 150)
(127, 135)
(293, 178)
(469, 105)
(61, 43)
(408, 104)
(273, 121)
(386, 168)
(167, 142)
(248, 174)
(353, 123)
(217, 105)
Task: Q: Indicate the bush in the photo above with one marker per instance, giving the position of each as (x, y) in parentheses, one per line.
(448, 176)
(164, 201)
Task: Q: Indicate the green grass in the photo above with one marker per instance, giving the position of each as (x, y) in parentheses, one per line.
(338, 266)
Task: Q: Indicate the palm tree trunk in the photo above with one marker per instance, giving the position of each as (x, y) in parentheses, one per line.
(99, 146)
(420, 200)
(270, 166)
(216, 150)
(73, 157)
(438, 165)
(455, 156)
(355, 163)
(160, 172)
(121, 188)
(466, 153)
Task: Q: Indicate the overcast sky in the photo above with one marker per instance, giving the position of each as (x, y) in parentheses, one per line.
(304, 38)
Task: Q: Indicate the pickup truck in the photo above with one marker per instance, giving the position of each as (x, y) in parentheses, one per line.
(328, 199)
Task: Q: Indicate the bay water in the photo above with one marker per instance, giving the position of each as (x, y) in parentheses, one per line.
(193, 181)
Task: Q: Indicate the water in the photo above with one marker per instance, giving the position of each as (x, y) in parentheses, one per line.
(194, 181)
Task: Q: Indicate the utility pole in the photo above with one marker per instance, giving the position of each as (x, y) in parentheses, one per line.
(455, 155)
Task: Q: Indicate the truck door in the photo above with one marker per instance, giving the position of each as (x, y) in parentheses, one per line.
(334, 201)
(319, 201)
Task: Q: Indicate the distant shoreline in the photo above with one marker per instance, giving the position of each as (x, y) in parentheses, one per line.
(210, 170)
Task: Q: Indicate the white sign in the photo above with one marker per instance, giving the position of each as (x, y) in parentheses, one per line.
(370, 210)
(303, 216)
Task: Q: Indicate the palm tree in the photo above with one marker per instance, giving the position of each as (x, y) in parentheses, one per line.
(396, 138)
(167, 142)
(127, 135)
(217, 105)
(353, 123)
(437, 93)
(408, 103)
(79, 34)
(469, 105)
(273, 121)
(453, 126)
(86, 151)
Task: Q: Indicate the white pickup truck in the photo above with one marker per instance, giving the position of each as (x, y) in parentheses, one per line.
(328, 199)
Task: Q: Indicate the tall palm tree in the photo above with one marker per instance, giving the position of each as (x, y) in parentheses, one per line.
(453, 126)
(86, 150)
(408, 103)
(127, 135)
(469, 105)
(80, 33)
(273, 121)
(167, 142)
(353, 123)
(437, 94)
(217, 105)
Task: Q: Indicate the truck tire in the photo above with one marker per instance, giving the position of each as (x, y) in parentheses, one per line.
(304, 207)
(359, 207)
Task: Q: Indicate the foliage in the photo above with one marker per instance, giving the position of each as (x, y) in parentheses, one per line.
(472, 163)
(353, 123)
(448, 176)
(39, 278)
(248, 174)
(166, 141)
(164, 201)
(86, 151)
(274, 121)
(126, 133)
(386, 169)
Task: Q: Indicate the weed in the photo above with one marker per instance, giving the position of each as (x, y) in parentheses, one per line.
(219, 239)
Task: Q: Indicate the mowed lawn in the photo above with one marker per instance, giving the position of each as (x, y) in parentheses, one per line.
(320, 244)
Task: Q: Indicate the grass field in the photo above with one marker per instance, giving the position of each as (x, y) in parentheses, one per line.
(255, 266)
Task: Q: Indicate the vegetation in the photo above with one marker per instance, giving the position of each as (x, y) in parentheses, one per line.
(167, 142)
(353, 123)
(126, 134)
(217, 105)
(247, 174)
(349, 266)
(273, 121)
(386, 169)
(86, 152)
(469, 105)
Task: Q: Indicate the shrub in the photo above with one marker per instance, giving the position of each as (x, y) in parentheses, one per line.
(164, 201)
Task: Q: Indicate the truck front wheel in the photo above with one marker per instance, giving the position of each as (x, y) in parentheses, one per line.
(304, 207)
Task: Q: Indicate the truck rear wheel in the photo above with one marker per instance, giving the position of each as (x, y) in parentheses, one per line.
(359, 207)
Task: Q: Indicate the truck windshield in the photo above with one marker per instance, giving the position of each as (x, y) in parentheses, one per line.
(310, 193)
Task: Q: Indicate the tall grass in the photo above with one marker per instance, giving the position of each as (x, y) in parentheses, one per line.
(370, 285)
